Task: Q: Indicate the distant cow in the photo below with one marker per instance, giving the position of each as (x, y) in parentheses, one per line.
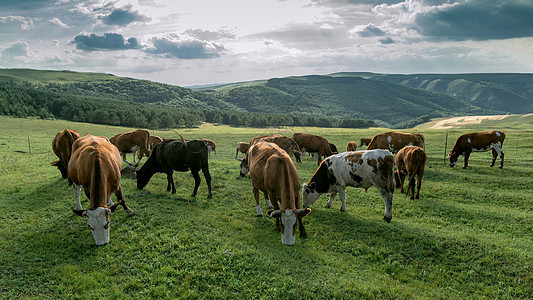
(284, 142)
(351, 146)
(95, 167)
(130, 142)
(152, 141)
(177, 155)
(478, 142)
(62, 146)
(364, 142)
(410, 161)
(394, 141)
(273, 173)
(358, 169)
(313, 143)
(211, 146)
(241, 147)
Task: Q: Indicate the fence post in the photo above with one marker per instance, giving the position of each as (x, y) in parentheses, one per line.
(29, 145)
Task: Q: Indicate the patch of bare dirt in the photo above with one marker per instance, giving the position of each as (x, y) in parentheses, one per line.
(467, 120)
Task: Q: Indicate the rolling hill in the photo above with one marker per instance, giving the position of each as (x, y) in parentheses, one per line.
(396, 101)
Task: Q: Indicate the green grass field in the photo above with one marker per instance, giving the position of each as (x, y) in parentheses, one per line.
(470, 235)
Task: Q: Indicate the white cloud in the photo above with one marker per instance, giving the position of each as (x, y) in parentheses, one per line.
(58, 22)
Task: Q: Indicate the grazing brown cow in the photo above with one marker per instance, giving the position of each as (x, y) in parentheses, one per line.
(211, 146)
(365, 142)
(95, 167)
(152, 141)
(355, 168)
(410, 161)
(241, 147)
(351, 146)
(394, 141)
(333, 148)
(284, 142)
(478, 142)
(313, 143)
(62, 146)
(273, 173)
(130, 142)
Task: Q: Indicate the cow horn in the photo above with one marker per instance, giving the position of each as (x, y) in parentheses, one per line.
(274, 213)
(80, 212)
(239, 159)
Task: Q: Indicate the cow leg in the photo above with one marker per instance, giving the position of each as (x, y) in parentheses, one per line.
(467, 155)
(501, 157)
(258, 210)
(268, 203)
(342, 196)
(197, 181)
(411, 187)
(387, 198)
(170, 182)
(330, 200)
(402, 181)
(207, 177)
(77, 192)
(125, 160)
(418, 185)
(121, 202)
(494, 156)
(301, 228)
(110, 202)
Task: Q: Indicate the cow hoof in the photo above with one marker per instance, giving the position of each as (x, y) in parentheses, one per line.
(209, 196)
(259, 216)
(193, 195)
(327, 206)
(387, 219)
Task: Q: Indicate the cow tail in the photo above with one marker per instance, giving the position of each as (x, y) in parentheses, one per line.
(96, 182)
(287, 192)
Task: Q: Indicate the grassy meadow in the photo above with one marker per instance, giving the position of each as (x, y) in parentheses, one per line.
(470, 235)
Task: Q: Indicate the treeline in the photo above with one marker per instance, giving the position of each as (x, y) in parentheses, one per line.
(29, 101)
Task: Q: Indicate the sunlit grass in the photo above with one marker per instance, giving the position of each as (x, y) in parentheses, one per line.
(469, 236)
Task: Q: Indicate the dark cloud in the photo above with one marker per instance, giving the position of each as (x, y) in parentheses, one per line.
(387, 40)
(124, 16)
(109, 41)
(184, 47)
(211, 35)
(370, 30)
(479, 20)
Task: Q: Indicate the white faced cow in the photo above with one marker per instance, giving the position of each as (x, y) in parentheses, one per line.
(478, 142)
(273, 172)
(130, 142)
(358, 169)
(242, 147)
(95, 167)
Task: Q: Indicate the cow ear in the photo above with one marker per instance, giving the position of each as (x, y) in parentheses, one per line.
(55, 163)
(108, 211)
(274, 213)
(80, 212)
(303, 212)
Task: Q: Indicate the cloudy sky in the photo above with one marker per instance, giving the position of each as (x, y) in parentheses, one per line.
(188, 42)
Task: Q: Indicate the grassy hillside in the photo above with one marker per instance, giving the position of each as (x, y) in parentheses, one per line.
(495, 91)
(47, 76)
(467, 237)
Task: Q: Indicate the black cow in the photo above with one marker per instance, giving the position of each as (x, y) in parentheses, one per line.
(178, 155)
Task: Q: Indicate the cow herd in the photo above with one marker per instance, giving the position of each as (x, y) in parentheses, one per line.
(93, 163)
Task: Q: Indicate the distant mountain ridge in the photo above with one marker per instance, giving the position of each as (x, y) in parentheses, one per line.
(390, 100)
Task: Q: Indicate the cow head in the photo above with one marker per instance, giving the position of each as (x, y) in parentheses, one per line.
(245, 168)
(98, 221)
(298, 156)
(309, 194)
(288, 221)
(62, 168)
(453, 158)
(142, 178)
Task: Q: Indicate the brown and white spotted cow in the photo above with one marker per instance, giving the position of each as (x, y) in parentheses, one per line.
(313, 144)
(62, 146)
(478, 142)
(284, 142)
(410, 161)
(211, 146)
(130, 142)
(273, 173)
(394, 141)
(95, 167)
(242, 147)
(364, 142)
(358, 169)
(351, 146)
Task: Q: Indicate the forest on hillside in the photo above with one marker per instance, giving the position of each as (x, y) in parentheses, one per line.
(109, 106)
